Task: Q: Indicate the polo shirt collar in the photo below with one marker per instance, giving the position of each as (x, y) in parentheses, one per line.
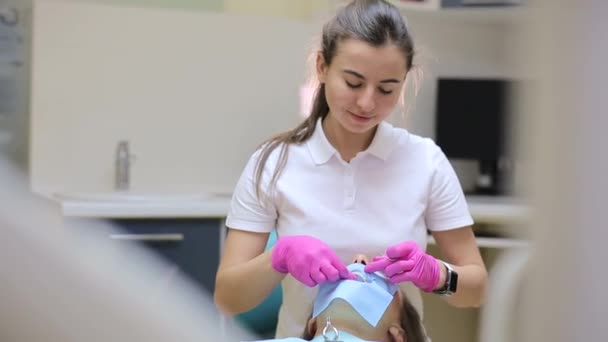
(383, 143)
(322, 150)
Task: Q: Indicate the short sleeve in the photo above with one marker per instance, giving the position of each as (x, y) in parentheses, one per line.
(246, 211)
(447, 207)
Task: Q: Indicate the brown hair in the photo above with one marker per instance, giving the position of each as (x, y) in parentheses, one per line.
(411, 323)
(376, 22)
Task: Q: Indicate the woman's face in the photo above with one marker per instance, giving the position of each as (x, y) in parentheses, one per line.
(363, 83)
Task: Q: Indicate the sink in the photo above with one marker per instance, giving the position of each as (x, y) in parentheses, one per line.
(133, 197)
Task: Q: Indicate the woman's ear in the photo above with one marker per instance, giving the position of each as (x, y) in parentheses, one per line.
(396, 333)
(321, 68)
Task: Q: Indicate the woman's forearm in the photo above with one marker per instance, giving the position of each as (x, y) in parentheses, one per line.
(471, 289)
(241, 287)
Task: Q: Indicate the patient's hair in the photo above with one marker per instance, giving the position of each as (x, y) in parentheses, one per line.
(410, 322)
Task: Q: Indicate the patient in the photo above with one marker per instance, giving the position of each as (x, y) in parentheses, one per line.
(399, 322)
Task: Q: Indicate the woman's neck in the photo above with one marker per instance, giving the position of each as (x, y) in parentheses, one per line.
(348, 144)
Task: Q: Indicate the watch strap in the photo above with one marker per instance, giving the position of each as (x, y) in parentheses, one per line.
(451, 281)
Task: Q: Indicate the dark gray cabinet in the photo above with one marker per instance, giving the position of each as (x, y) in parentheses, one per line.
(192, 246)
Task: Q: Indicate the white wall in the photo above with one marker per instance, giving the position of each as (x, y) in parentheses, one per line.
(193, 92)
(158, 83)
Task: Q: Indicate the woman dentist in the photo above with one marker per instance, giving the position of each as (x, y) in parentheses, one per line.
(345, 181)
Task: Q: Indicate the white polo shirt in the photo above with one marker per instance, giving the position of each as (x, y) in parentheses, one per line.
(394, 191)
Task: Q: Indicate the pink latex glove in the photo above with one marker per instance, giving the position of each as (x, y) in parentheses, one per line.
(309, 260)
(407, 262)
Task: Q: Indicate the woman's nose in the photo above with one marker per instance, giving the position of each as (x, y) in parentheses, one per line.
(366, 101)
(360, 259)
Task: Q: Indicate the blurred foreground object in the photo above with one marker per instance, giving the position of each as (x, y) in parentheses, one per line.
(564, 297)
(63, 283)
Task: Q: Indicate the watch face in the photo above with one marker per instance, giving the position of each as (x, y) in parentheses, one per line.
(453, 284)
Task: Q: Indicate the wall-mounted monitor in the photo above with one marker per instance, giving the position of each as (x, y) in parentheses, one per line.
(473, 123)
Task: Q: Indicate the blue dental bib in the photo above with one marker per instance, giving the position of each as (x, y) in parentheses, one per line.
(370, 295)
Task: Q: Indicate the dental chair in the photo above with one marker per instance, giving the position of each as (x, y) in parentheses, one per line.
(262, 320)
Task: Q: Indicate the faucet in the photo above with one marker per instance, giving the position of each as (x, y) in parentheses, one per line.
(123, 166)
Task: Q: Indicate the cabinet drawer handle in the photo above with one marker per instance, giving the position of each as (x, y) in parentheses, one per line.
(147, 237)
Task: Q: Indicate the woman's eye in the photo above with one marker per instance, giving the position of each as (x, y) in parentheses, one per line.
(354, 86)
(385, 92)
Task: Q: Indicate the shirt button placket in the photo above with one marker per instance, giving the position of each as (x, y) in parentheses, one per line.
(349, 185)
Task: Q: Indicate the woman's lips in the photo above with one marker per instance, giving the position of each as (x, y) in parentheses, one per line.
(360, 117)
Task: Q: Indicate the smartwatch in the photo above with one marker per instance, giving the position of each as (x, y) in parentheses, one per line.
(451, 281)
